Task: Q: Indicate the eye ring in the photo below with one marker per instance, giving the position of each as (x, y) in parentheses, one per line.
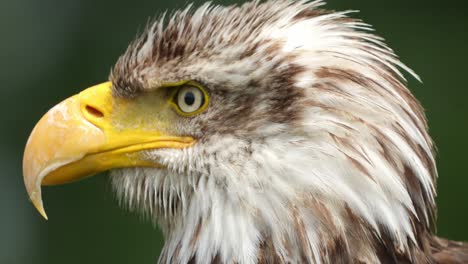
(190, 99)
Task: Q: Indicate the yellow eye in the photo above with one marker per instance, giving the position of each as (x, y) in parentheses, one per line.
(190, 99)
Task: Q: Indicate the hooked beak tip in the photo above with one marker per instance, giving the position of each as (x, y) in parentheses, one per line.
(37, 202)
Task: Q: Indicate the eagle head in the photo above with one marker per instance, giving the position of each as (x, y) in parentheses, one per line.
(273, 131)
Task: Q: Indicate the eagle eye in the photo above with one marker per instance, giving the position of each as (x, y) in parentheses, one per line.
(190, 99)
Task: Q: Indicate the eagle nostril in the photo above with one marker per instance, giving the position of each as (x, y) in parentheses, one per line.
(94, 111)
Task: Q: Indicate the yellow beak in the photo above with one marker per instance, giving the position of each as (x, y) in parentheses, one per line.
(88, 133)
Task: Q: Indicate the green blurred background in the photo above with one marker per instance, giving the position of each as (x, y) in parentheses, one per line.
(51, 49)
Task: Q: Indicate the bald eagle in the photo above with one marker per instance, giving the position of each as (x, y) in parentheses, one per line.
(270, 132)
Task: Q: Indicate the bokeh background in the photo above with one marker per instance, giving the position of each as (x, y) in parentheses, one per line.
(51, 49)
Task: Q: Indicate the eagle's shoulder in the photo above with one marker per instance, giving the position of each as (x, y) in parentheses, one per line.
(447, 251)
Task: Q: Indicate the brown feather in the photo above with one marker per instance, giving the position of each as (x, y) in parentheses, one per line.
(446, 251)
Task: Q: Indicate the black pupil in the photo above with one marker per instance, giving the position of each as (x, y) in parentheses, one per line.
(189, 98)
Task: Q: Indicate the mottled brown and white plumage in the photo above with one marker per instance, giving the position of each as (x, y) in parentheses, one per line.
(312, 149)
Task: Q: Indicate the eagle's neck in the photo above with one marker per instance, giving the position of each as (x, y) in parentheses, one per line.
(314, 203)
(307, 232)
(276, 229)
